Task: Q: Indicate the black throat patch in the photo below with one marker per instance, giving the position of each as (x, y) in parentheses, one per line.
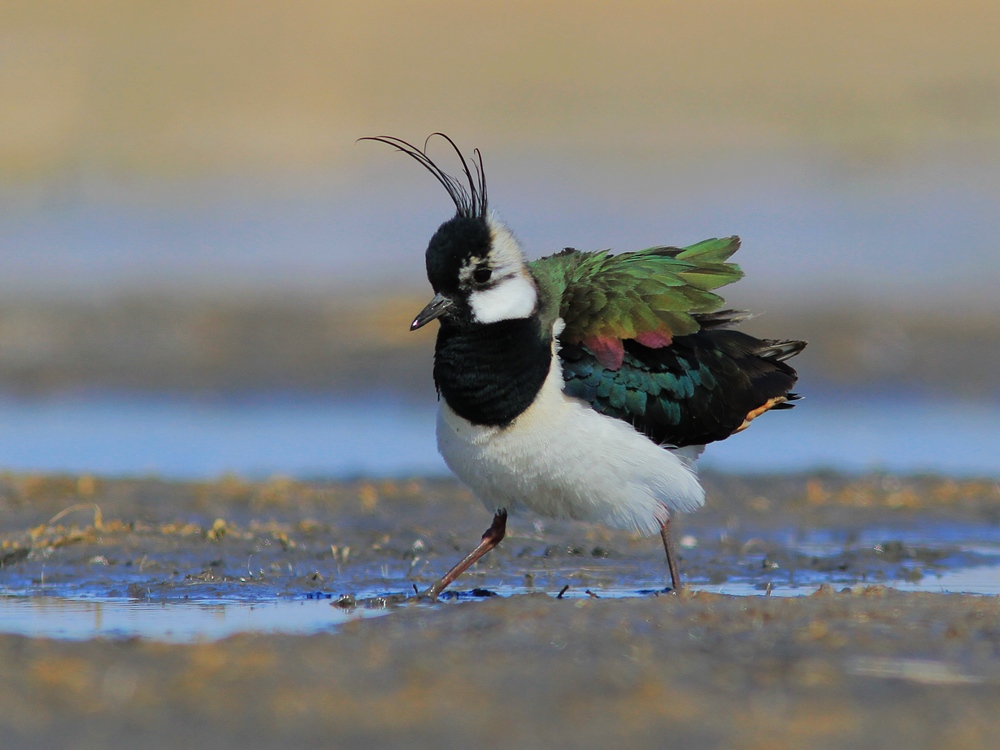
(489, 374)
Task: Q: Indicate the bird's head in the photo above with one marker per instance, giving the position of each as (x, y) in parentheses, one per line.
(474, 263)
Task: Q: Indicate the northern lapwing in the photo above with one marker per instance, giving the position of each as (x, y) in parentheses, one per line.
(584, 385)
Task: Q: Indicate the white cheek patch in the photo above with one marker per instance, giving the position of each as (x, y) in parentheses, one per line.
(510, 299)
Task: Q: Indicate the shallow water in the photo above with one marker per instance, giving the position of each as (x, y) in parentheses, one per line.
(193, 621)
(811, 227)
(76, 619)
(74, 601)
(383, 435)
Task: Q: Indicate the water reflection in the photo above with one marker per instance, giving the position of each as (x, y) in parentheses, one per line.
(384, 435)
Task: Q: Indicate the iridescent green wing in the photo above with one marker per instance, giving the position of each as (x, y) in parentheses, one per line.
(646, 342)
(649, 296)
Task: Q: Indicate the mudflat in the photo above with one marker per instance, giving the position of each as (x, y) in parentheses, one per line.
(852, 662)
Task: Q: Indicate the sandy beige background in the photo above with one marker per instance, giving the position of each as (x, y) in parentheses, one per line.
(193, 87)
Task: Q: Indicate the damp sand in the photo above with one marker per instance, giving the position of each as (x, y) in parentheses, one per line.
(860, 649)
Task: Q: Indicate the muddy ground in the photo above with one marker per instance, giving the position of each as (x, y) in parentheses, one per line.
(854, 664)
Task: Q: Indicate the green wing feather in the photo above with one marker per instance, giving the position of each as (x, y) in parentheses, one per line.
(650, 294)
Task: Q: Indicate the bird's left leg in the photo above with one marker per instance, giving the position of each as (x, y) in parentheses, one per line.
(668, 546)
(491, 538)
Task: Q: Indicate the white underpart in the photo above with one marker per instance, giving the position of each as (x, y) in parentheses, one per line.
(562, 459)
(513, 295)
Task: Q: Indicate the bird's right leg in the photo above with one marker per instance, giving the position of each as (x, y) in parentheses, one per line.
(491, 538)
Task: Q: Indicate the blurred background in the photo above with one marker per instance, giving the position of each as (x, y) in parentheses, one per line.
(202, 271)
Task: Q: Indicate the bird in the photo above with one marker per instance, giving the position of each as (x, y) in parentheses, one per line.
(584, 385)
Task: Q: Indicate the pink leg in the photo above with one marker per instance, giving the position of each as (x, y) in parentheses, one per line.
(493, 536)
(668, 546)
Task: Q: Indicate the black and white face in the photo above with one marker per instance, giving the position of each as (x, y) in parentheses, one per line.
(478, 273)
(498, 286)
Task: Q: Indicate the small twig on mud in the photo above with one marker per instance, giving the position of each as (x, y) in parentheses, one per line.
(98, 517)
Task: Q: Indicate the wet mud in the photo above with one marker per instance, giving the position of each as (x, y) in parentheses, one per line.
(839, 655)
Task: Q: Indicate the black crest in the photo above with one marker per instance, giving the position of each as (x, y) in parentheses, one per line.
(470, 203)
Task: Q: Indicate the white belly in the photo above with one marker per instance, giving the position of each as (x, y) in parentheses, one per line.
(562, 459)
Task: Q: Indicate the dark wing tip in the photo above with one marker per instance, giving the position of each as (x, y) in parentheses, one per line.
(788, 402)
(722, 318)
(779, 351)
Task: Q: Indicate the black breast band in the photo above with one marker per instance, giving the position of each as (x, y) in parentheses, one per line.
(489, 374)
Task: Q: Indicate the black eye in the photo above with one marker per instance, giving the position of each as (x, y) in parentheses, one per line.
(482, 274)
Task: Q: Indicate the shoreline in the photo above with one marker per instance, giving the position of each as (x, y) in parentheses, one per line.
(215, 344)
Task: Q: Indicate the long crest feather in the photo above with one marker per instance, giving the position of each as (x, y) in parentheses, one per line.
(471, 202)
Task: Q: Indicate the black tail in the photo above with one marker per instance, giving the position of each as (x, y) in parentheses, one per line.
(701, 388)
(740, 378)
